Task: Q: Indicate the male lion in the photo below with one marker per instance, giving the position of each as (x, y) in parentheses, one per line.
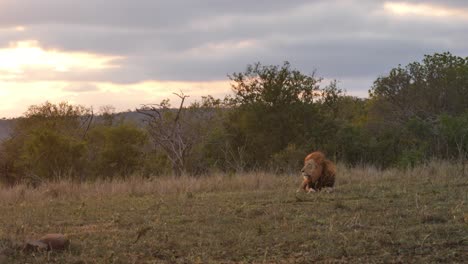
(318, 172)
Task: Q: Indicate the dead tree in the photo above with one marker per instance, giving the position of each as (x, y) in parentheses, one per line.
(168, 130)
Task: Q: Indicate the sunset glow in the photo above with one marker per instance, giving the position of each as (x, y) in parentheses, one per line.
(20, 59)
(19, 28)
(22, 55)
(427, 10)
(123, 96)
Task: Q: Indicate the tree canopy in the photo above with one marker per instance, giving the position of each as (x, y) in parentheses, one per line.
(274, 117)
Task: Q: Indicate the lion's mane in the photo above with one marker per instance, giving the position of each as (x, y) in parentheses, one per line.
(318, 172)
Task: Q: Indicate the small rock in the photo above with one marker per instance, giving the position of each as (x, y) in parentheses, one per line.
(48, 242)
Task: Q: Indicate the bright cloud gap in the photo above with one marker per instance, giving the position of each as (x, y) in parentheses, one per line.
(22, 56)
(424, 10)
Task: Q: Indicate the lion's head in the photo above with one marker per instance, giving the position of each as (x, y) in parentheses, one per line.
(309, 171)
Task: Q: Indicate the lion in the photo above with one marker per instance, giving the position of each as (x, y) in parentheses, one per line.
(318, 172)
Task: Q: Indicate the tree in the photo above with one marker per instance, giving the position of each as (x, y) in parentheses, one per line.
(48, 142)
(275, 106)
(274, 85)
(116, 150)
(454, 130)
(48, 154)
(167, 131)
(410, 100)
(9, 153)
(422, 90)
(108, 114)
(70, 119)
(178, 131)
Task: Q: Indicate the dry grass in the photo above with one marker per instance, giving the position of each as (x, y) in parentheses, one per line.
(143, 186)
(417, 215)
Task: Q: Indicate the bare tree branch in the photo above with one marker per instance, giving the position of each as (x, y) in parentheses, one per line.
(169, 131)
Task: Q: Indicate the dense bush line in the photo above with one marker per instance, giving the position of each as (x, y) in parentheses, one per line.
(274, 117)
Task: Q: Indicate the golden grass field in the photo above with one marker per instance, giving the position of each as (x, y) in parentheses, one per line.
(392, 216)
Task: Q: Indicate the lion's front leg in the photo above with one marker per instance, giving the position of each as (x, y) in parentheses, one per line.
(304, 185)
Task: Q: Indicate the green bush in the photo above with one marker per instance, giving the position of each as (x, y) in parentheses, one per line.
(50, 155)
(116, 150)
(289, 160)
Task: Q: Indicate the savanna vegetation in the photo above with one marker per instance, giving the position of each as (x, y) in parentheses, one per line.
(215, 180)
(416, 215)
(275, 116)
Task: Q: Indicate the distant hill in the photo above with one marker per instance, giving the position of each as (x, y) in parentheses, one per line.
(7, 124)
(131, 116)
(5, 128)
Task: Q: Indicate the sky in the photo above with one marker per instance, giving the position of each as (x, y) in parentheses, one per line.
(126, 53)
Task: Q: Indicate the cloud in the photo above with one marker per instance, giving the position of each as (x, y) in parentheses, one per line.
(28, 61)
(81, 87)
(200, 41)
(425, 10)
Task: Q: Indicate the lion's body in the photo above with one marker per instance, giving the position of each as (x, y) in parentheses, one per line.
(318, 172)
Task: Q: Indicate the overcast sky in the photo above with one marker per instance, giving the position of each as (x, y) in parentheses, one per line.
(129, 52)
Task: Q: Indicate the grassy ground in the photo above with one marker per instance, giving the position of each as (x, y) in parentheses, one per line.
(389, 216)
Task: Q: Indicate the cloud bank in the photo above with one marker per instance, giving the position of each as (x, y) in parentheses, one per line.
(130, 43)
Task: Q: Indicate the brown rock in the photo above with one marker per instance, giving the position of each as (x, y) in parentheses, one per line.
(55, 241)
(34, 245)
(3, 258)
